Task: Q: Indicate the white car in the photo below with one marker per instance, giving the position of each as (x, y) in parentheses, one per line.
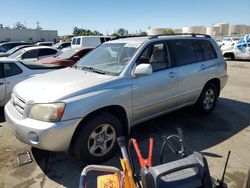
(230, 41)
(241, 50)
(13, 71)
(35, 53)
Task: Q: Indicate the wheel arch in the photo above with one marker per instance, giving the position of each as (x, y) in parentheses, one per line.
(116, 110)
(216, 82)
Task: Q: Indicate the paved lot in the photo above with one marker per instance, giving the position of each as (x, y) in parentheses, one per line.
(227, 128)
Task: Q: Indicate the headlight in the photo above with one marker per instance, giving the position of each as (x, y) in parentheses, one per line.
(47, 112)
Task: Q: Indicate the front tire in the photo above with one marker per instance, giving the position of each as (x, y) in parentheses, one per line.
(208, 98)
(96, 140)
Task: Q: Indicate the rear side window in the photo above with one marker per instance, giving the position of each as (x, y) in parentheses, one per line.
(185, 52)
(44, 52)
(11, 69)
(205, 50)
(30, 54)
(78, 41)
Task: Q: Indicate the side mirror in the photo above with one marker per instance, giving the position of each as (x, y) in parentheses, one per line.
(143, 70)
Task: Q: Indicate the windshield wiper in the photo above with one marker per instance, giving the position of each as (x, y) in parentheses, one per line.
(94, 70)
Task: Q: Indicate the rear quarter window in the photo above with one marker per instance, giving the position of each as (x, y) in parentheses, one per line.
(205, 50)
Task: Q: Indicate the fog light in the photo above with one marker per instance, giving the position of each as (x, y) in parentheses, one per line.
(33, 138)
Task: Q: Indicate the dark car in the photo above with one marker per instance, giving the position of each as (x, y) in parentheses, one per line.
(4, 47)
(68, 58)
(13, 50)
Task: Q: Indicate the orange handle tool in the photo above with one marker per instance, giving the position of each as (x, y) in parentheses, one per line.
(144, 162)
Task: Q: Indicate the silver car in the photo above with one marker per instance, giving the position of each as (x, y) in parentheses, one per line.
(121, 83)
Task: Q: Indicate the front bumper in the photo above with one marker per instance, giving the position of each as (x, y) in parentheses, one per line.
(54, 136)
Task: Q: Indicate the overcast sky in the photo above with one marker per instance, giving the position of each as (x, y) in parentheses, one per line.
(107, 16)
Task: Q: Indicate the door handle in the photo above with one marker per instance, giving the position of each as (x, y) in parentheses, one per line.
(172, 74)
(203, 67)
(1, 83)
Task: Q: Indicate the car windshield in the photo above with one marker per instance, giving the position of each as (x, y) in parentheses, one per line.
(67, 54)
(17, 53)
(12, 50)
(109, 58)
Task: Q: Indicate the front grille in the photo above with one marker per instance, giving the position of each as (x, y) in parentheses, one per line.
(18, 103)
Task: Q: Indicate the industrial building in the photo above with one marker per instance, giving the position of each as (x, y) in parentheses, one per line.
(194, 29)
(29, 35)
(218, 29)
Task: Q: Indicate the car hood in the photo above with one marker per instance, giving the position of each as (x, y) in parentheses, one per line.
(58, 85)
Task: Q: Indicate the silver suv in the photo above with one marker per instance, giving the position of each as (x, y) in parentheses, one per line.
(121, 83)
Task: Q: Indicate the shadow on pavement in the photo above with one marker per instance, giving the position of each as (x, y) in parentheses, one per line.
(2, 117)
(200, 132)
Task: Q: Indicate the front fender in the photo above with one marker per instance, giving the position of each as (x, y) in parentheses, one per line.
(82, 105)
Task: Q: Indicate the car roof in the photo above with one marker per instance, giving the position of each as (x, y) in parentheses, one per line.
(137, 40)
(140, 40)
(6, 59)
(13, 42)
(38, 47)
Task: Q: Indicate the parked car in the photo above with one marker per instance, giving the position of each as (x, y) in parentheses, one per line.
(219, 41)
(62, 45)
(35, 53)
(4, 47)
(239, 51)
(45, 43)
(68, 58)
(13, 50)
(230, 41)
(121, 83)
(13, 72)
(89, 41)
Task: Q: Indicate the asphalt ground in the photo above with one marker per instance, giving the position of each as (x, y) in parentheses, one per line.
(227, 128)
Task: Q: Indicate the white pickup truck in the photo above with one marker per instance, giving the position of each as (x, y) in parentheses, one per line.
(13, 71)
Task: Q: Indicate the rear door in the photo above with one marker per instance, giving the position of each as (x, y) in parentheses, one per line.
(155, 93)
(191, 60)
(2, 84)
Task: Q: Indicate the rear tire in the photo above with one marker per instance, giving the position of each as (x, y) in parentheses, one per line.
(96, 140)
(230, 57)
(207, 100)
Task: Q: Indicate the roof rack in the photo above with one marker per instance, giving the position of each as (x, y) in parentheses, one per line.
(129, 36)
(181, 34)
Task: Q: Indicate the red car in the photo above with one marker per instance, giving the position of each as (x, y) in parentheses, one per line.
(67, 58)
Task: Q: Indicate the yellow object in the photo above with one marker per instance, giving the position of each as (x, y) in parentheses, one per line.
(108, 181)
(128, 177)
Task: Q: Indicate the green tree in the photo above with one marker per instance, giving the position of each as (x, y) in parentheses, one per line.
(122, 32)
(168, 31)
(19, 25)
(84, 32)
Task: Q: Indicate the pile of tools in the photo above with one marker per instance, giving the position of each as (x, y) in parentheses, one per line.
(188, 171)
